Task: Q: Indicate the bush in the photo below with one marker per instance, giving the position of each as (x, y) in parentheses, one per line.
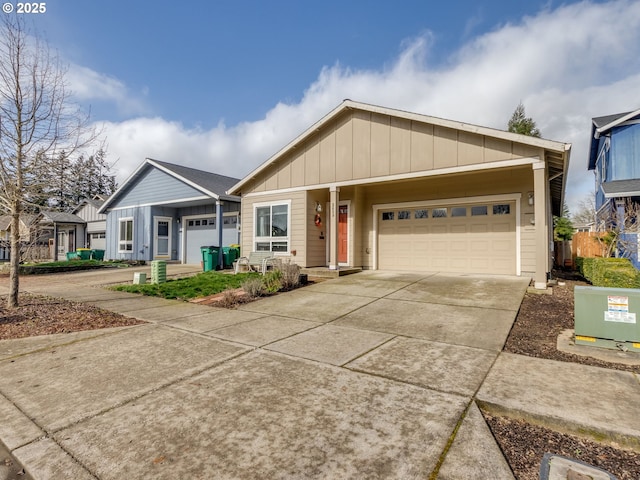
(290, 275)
(609, 272)
(272, 281)
(254, 287)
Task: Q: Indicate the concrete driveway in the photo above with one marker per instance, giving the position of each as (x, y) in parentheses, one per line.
(365, 376)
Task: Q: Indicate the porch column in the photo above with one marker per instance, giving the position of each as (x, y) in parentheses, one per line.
(55, 242)
(334, 199)
(541, 227)
(219, 227)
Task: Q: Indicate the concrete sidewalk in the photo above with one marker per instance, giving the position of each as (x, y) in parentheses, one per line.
(373, 375)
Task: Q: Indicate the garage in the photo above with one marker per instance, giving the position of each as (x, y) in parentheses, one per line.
(202, 231)
(464, 238)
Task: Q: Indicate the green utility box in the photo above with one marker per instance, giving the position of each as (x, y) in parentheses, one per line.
(158, 271)
(607, 317)
(73, 256)
(209, 257)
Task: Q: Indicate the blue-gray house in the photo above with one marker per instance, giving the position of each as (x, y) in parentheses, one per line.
(615, 159)
(165, 211)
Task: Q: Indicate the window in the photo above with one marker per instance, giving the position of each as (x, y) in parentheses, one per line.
(459, 212)
(502, 209)
(125, 235)
(404, 215)
(272, 227)
(387, 216)
(479, 210)
(420, 214)
(439, 213)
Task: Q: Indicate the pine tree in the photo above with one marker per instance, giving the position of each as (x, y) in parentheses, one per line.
(520, 123)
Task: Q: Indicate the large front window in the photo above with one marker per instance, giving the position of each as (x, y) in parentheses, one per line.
(272, 227)
(125, 243)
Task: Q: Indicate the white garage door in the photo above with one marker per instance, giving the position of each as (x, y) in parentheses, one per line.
(478, 238)
(202, 231)
(97, 240)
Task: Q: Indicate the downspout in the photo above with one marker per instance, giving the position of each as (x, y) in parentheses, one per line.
(219, 227)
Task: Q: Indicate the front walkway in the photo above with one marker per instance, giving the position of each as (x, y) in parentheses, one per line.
(365, 376)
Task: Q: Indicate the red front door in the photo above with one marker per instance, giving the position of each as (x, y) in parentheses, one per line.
(343, 234)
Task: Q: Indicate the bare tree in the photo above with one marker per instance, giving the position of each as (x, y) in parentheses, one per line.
(37, 121)
(586, 213)
(621, 224)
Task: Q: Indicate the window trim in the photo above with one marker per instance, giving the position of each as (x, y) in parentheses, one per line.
(271, 239)
(124, 242)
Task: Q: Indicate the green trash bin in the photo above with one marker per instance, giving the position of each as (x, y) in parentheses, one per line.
(97, 254)
(209, 257)
(229, 255)
(72, 256)
(84, 253)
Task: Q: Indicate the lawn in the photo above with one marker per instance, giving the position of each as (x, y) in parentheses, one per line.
(201, 285)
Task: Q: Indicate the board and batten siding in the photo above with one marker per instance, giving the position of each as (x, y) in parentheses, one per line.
(298, 220)
(142, 233)
(155, 186)
(361, 145)
(89, 213)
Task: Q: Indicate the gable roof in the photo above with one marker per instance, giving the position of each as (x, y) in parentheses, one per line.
(60, 217)
(549, 145)
(603, 125)
(210, 184)
(88, 201)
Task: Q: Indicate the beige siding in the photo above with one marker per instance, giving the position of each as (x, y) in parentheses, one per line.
(360, 145)
(361, 132)
(316, 253)
(298, 234)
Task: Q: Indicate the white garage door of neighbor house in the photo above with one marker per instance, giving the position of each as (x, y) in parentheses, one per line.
(477, 238)
(98, 241)
(202, 231)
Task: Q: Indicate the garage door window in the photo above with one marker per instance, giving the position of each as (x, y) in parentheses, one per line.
(421, 214)
(404, 215)
(272, 227)
(479, 210)
(439, 213)
(459, 212)
(502, 209)
(387, 216)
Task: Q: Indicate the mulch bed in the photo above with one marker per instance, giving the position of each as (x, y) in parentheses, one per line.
(38, 315)
(539, 322)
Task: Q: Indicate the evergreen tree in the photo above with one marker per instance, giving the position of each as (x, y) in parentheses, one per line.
(520, 123)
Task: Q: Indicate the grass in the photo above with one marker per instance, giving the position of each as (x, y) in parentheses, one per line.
(201, 285)
(67, 263)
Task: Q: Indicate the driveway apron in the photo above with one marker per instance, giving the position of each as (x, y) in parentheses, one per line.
(364, 376)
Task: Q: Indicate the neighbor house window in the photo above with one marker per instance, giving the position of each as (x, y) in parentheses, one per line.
(125, 235)
(272, 227)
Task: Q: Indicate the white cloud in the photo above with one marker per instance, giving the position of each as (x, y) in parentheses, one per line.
(89, 85)
(566, 65)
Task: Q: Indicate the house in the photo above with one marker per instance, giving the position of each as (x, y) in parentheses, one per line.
(66, 231)
(384, 189)
(167, 211)
(614, 157)
(32, 243)
(96, 223)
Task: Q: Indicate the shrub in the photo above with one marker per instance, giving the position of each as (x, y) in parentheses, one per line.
(254, 287)
(272, 280)
(290, 275)
(610, 272)
(229, 299)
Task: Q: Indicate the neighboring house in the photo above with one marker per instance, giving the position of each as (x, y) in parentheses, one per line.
(96, 223)
(385, 189)
(167, 211)
(615, 159)
(5, 234)
(33, 241)
(66, 231)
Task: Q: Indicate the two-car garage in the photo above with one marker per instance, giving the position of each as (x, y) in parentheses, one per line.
(477, 237)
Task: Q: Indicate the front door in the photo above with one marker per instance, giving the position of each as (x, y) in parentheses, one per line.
(62, 245)
(162, 236)
(343, 234)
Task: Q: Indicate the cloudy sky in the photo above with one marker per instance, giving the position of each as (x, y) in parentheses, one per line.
(222, 86)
